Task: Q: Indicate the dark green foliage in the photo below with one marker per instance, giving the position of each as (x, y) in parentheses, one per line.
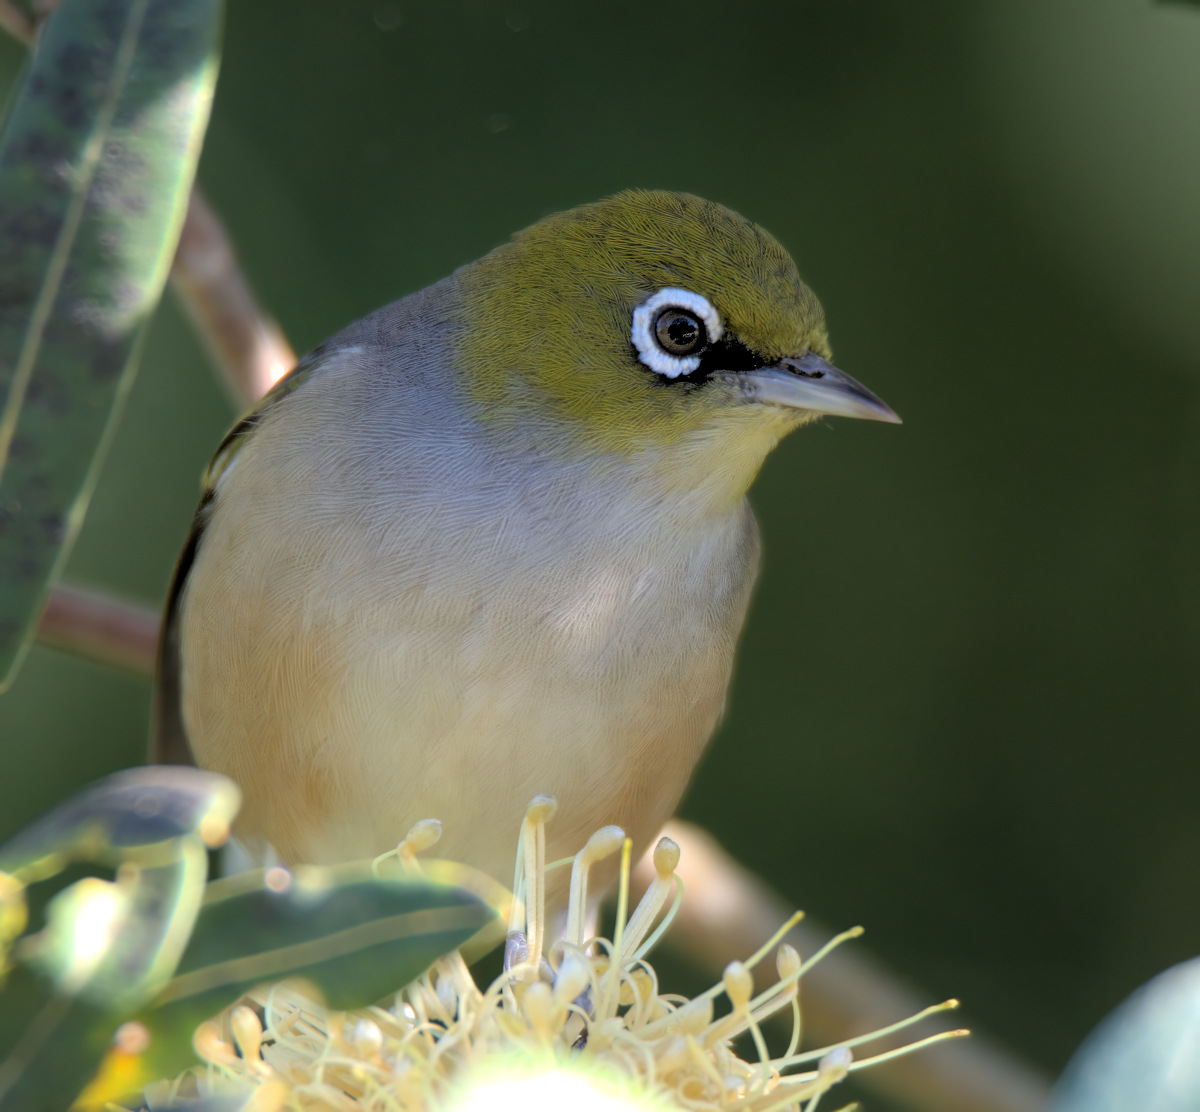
(50, 1042)
(355, 936)
(151, 945)
(96, 162)
(107, 947)
(123, 816)
(338, 926)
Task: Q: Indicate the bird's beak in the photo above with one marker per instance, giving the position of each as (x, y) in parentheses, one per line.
(809, 382)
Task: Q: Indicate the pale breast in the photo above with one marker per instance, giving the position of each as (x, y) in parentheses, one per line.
(443, 633)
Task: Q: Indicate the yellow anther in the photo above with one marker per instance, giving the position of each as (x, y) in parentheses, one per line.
(132, 1037)
(739, 985)
(834, 1066)
(537, 1006)
(422, 836)
(607, 840)
(213, 831)
(694, 1017)
(574, 977)
(541, 809)
(641, 981)
(247, 1031)
(270, 1096)
(367, 1039)
(666, 857)
(209, 1045)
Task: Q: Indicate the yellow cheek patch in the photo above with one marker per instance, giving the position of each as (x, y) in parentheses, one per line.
(547, 315)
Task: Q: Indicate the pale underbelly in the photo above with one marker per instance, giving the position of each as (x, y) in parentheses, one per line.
(353, 689)
(338, 763)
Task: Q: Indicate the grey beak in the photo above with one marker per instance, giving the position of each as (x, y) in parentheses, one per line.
(809, 382)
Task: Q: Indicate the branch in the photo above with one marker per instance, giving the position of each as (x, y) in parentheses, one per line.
(16, 23)
(247, 345)
(100, 628)
(728, 912)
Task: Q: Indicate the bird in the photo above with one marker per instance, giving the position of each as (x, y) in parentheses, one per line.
(493, 540)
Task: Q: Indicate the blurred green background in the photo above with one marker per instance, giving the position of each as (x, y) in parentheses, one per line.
(966, 711)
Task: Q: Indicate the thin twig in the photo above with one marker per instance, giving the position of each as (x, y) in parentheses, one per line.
(247, 345)
(16, 22)
(101, 628)
(728, 912)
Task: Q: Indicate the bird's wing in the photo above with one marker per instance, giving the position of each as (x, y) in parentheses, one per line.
(168, 737)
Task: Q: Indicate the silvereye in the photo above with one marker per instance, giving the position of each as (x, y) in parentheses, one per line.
(493, 540)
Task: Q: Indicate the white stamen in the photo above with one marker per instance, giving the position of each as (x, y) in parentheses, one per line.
(444, 1042)
(664, 885)
(607, 840)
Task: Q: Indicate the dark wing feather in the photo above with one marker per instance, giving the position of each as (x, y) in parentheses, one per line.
(168, 737)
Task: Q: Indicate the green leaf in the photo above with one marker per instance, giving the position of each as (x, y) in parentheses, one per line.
(112, 950)
(96, 162)
(50, 1044)
(117, 943)
(355, 936)
(135, 814)
(108, 947)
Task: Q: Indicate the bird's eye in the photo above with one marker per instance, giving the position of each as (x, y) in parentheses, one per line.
(678, 332)
(670, 330)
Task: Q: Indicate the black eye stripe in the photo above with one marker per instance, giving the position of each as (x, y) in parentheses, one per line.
(727, 354)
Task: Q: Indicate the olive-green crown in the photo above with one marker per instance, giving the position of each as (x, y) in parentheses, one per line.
(547, 315)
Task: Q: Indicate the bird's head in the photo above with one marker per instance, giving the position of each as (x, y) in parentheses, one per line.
(651, 320)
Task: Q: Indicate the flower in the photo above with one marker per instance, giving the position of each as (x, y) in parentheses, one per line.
(575, 1023)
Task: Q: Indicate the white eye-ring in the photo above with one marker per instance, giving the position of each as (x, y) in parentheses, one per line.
(671, 328)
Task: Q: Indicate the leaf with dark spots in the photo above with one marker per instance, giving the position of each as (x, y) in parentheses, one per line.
(96, 162)
(118, 817)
